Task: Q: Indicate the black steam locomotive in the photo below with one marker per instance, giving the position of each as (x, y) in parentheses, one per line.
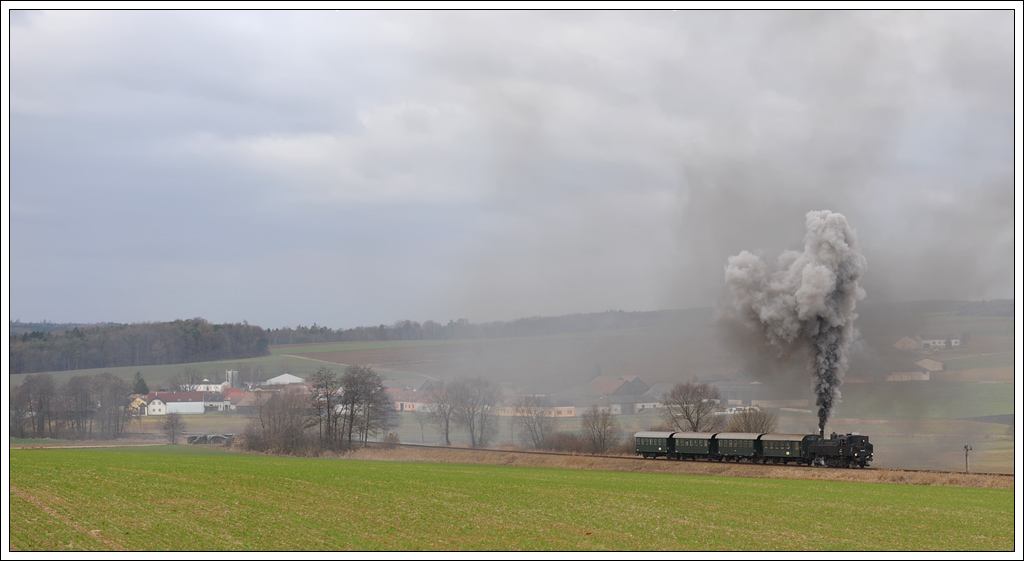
(846, 450)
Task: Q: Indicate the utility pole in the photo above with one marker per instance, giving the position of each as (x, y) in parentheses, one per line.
(967, 461)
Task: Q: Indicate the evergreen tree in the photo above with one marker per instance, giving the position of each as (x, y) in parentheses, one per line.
(140, 386)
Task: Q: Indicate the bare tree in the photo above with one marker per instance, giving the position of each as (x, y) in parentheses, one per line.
(80, 405)
(18, 413)
(367, 407)
(422, 417)
(691, 406)
(280, 424)
(174, 426)
(379, 413)
(442, 408)
(112, 406)
(38, 394)
(474, 402)
(531, 415)
(326, 397)
(753, 420)
(187, 381)
(599, 429)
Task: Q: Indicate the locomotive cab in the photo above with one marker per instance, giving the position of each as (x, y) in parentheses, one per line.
(846, 450)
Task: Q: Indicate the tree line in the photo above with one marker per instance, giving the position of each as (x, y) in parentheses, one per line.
(339, 413)
(83, 407)
(408, 330)
(108, 346)
(690, 407)
(60, 347)
(471, 404)
(345, 411)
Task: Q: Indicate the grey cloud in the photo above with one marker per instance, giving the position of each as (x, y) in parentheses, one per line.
(519, 163)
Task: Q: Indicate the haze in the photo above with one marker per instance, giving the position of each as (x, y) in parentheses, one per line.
(361, 167)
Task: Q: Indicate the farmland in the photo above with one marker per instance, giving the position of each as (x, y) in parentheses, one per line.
(913, 424)
(89, 500)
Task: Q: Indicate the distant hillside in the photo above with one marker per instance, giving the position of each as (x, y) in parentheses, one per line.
(408, 330)
(662, 345)
(21, 328)
(112, 345)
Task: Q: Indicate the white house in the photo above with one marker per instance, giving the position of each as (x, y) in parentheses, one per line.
(934, 343)
(208, 386)
(186, 403)
(908, 376)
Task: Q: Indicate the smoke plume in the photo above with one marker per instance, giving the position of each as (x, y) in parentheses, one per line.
(806, 300)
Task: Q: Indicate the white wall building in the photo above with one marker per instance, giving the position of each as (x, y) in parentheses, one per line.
(208, 386)
(284, 379)
(186, 407)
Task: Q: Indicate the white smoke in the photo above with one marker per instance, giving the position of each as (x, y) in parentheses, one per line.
(806, 299)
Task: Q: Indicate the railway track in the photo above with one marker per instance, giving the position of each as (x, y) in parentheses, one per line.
(641, 459)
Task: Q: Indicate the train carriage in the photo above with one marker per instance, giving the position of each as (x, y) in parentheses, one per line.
(651, 444)
(692, 445)
(736, 446)
(785, 448)
(846, 450)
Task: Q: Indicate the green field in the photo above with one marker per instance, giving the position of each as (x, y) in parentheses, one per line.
(994, 360)
(179, 498)
(354, 346)
(926, 400)
(159, 374)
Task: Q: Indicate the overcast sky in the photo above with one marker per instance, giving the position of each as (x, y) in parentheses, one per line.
(354, 168)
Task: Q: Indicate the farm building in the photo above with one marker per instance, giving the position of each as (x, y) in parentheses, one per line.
(249, 403)
(618, 385)
(558, 411)
(208, 386)
(138, 405)
(186, 403)
(929, 364)
(284, 379)
(408, 401)
(907, 344)
(937, 342)
(908, 376)
(215, 401)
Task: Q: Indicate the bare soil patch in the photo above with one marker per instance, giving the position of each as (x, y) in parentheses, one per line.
(512, 458)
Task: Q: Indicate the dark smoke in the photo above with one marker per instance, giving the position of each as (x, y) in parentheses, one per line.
(806, 300)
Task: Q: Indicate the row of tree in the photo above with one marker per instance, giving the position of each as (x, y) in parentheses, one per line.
(690, 407)
(83, 407)
(408, 330)
(345, 411)
(108, 346)
(339, 413)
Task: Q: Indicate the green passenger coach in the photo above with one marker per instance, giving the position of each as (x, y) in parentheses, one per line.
(692, 445)
(651, 444)
(736, 445)
(785, 448)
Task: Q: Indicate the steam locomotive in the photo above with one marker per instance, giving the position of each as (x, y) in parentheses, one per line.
(846, 450)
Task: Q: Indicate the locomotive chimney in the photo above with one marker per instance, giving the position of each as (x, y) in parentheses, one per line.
(822, 433)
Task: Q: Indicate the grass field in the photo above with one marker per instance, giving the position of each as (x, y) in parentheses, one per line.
(156, 499)
(161, 374)
(980, 361)
(926, 400)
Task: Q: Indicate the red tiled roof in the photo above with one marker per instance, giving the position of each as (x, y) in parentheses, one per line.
(175, 397)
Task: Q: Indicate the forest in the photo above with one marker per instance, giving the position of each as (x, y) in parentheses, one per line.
(106, 346)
